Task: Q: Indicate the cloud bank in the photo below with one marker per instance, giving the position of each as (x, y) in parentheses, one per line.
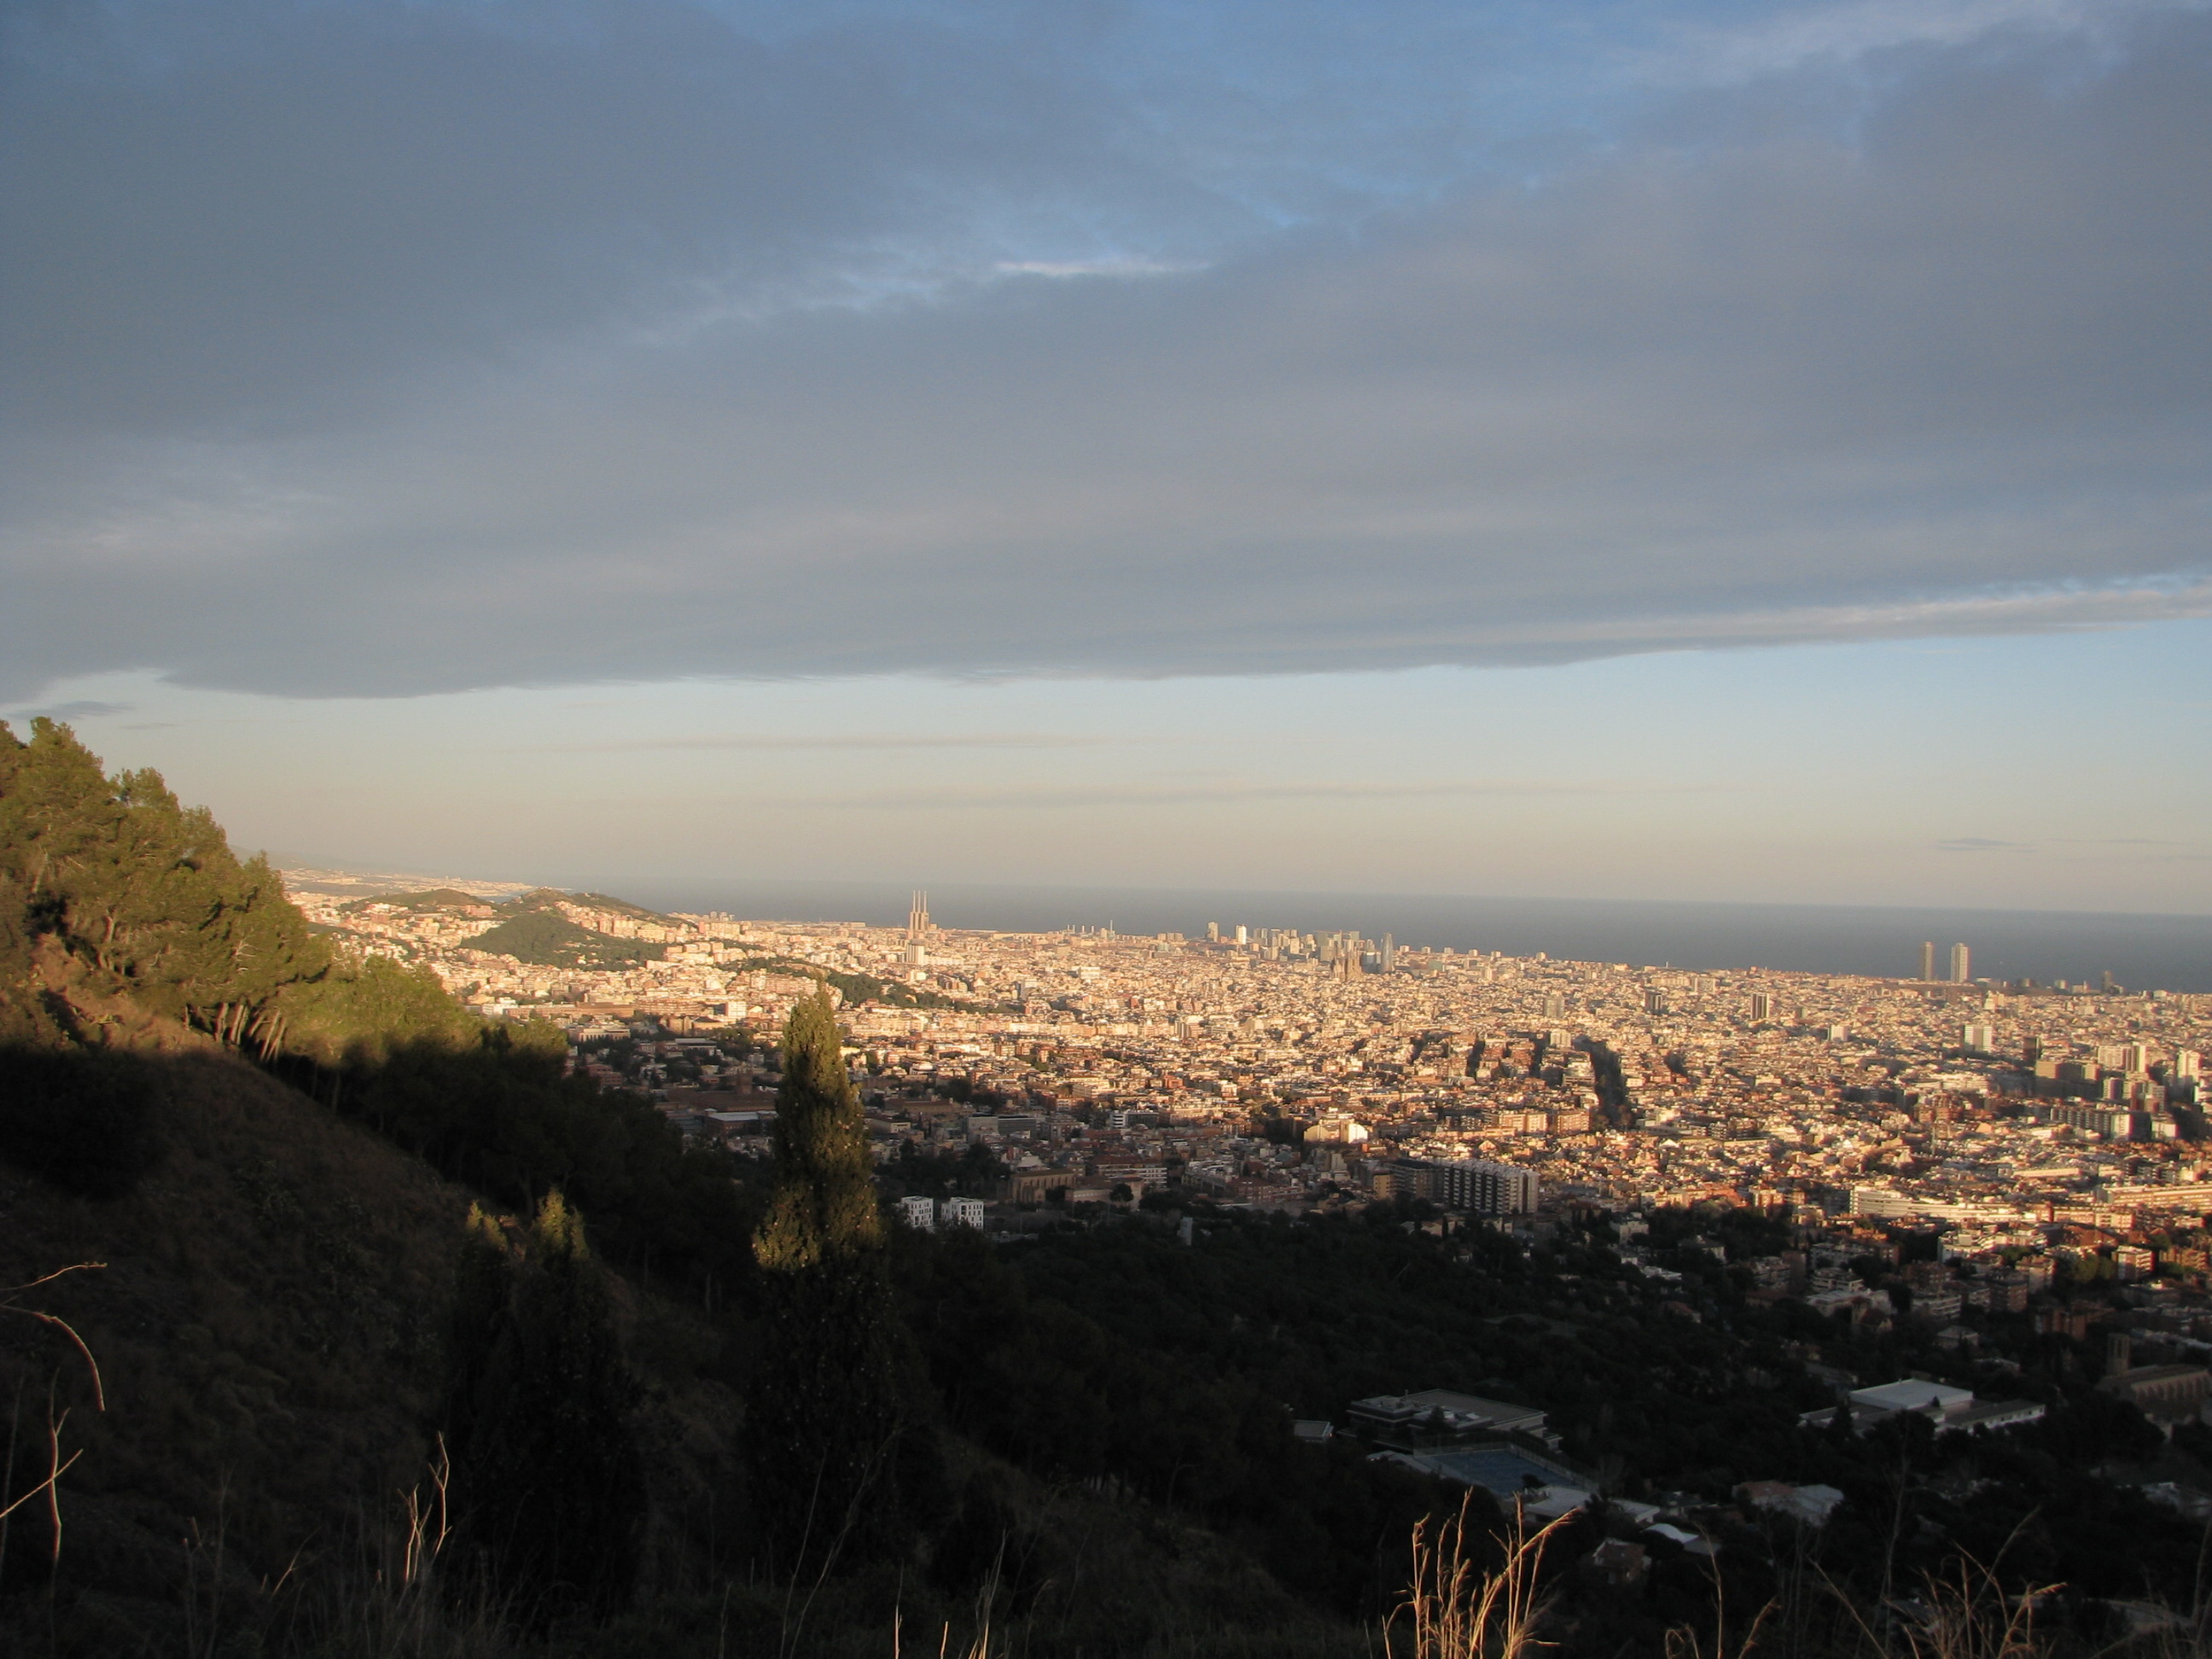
(386, 349)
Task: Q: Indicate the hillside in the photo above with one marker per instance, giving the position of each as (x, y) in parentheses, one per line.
(273, 1323)
(447, 899)
(269, 1323)
(608, 903)
(543, 938)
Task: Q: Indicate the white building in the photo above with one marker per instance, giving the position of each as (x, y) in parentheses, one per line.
(1951, 1409)
(919, 1213)
(960, 1212)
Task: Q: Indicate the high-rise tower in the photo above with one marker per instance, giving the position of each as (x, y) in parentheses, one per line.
(1961, 968)
(1927, 958)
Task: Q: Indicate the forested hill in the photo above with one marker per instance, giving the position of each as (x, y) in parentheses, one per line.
(538, 933)
(110, 888)
(271, 1154)
(127, 927)
(126, 917)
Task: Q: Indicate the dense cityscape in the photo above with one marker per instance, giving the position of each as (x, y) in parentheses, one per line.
(1278, 1069)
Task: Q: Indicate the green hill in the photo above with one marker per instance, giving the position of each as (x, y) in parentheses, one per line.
(543, 938)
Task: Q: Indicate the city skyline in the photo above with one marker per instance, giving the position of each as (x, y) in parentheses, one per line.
(2003, 1107)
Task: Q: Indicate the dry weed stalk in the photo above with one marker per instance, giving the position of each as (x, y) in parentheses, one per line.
(979, 1646)
(57, 1465)
(9, 1304)
(1454, 1610)
(1683, 1642)
(1969, 1616)
(424, 1540)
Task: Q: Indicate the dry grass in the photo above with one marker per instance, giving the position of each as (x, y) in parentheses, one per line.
(1456, 1609)
(46, 1491)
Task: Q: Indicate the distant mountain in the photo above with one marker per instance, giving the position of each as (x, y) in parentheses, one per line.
(303, 876)
(436, 899)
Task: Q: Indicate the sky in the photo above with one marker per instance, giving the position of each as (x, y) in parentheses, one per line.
(1637, 449)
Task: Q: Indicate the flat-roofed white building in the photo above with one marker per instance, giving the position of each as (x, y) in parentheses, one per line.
(1952, 1409)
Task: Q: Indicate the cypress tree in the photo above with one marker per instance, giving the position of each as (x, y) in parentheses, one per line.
(546, 1482)
(824, 1415)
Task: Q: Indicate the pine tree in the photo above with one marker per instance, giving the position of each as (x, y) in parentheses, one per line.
(144, 892)
(824, 1415)
(546, 1484)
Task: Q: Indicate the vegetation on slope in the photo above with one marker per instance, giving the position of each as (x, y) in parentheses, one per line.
(429, 901)
(829, 1417)
(547, 1495)
(265, 1324)
(542, 937)
(144, 897)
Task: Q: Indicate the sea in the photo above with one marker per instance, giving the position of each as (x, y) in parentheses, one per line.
(2140, 951)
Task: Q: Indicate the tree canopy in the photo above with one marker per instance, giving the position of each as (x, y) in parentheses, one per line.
(142, 894)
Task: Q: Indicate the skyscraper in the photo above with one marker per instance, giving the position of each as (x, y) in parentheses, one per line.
(1762, 1006)
(1960, 972)
(1389, 953)
(1927, 958)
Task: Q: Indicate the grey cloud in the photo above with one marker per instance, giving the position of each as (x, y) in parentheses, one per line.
(1981, 844)
(2115, 840)
(82, 709)
(242, 217)
(1731, 384)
